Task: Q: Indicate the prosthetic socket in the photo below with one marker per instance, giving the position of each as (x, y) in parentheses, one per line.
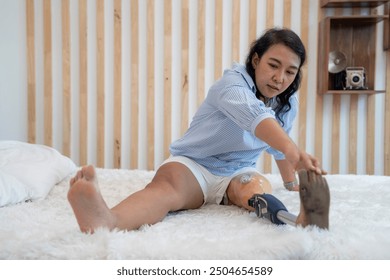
(268, 206)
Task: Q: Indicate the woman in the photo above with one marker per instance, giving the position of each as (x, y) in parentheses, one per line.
(248, 111)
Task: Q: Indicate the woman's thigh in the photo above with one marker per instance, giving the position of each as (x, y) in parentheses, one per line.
(177, 181)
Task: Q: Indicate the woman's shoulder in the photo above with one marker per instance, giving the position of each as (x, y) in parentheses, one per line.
(294, 100)
(237, 76)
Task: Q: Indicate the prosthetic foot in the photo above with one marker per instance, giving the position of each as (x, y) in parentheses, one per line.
(315, 200)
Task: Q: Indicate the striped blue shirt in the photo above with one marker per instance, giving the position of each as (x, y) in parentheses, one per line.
(221, 136)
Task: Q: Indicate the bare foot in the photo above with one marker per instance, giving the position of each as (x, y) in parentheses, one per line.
(88, 205)
(315, 200)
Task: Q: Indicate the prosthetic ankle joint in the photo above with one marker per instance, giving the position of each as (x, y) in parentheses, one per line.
(260, 205)
(257, 202)
(268, 206)
(265, 205)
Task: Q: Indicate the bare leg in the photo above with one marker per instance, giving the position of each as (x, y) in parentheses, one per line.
(173, 188)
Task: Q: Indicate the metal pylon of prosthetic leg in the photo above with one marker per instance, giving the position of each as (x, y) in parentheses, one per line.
(287, 217)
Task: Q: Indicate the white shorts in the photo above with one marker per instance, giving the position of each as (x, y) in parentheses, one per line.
(213, 186)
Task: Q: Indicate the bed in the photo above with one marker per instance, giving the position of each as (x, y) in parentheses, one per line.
(37, 222)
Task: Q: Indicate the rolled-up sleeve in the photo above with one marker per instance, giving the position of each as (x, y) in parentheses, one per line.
(241, 106)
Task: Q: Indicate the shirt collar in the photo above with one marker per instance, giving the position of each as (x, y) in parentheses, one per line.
(242, 70)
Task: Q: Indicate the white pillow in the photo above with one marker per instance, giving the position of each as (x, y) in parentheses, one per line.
(30, 171)
(12, 190)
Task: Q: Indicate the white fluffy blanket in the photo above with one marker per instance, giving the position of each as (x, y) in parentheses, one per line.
(359, 226)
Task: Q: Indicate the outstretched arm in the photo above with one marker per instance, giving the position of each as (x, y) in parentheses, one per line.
(288, 174)
(273, 134)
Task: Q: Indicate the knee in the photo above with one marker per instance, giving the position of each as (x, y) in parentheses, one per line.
(164, 190)
(174, 196)
(178, 181)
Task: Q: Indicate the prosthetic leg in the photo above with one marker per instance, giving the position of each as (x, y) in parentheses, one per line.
(315, 201)
(266, 205)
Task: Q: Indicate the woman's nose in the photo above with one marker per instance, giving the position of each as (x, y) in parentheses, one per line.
(278, 78)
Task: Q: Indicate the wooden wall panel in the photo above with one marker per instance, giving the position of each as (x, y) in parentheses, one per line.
(287, 14)
(218, 39)
(235, 33)
(122, 119)
(201, 52)
(184, 65)
(48, 73)
(117, 83)
(100, 85)
(31, 82)
(167, 76)
(252, 32)
(134, 84)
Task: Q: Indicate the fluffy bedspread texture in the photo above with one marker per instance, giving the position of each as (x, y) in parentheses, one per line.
(359, 226)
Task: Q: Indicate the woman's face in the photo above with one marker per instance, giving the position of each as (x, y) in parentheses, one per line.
(275, 70)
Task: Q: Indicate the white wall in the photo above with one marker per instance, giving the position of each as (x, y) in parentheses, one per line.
(13, 98)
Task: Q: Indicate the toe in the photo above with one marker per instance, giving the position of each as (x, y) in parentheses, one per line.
(79, 175)
(89, 172)
(324, 183)
(303, 177)
(312, 177)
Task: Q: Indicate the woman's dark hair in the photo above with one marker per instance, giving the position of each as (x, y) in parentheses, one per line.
(272, 37)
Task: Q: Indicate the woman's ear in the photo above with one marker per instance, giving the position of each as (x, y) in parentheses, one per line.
(255, 60)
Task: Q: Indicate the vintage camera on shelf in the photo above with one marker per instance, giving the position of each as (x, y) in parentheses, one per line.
(355, 78)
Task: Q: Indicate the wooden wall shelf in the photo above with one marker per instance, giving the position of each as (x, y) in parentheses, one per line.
(360, 20)
(354, 92)
(350, 3)
(355, 37)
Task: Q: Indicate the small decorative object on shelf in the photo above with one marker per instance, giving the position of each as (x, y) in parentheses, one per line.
(355, 78)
